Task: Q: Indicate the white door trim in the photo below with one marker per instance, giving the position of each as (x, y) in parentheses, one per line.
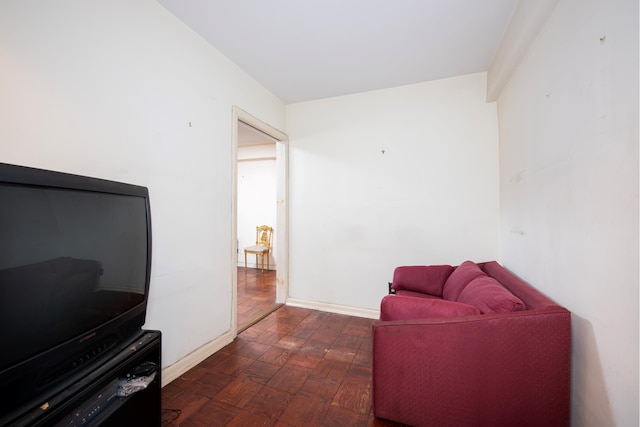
(282, 196)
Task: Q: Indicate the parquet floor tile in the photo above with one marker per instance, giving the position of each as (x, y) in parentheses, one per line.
(294, 368)
(256, 295)
(288, 367)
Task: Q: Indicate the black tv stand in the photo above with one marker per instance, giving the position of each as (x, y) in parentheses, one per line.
(93, 401)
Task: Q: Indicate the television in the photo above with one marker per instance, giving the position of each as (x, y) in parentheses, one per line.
(75, 262)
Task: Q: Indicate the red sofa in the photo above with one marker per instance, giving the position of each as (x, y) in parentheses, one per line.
(472, 345)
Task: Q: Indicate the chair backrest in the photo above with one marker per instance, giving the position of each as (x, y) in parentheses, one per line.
(264, 234)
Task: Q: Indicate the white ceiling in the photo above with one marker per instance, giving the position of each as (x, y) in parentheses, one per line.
(303, 50)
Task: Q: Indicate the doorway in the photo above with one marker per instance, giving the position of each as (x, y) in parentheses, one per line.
(260, 194)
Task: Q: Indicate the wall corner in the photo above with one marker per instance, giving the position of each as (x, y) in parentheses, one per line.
(526, 23)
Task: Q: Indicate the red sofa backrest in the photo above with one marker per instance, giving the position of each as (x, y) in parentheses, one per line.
(532, 297)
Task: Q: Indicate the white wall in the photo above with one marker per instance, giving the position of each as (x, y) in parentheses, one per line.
(122, 90)
(257, 199)
(356, 213)
(569, 193)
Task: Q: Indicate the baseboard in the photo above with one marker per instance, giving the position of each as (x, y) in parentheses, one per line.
(334, 308)
(172, 372)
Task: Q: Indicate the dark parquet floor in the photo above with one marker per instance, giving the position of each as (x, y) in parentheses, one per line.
(256, 295)
(295, 367)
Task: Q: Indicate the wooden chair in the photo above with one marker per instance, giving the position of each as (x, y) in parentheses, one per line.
(264, 235)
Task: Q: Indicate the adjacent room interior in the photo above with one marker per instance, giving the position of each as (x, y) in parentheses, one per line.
(256, 206)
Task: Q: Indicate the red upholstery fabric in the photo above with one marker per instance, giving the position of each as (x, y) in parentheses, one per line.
(489, 296)
(397, 307)
(419, 278)
(459, 279)
(529, 295)
(498, 369)
(416, 294)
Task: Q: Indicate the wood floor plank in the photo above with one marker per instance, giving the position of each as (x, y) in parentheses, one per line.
(305, 410)
(337, 416)
(325, 388)
(354, 395)
(289, 379)
(277, 356)
(256, 295)
(260, 371)
(270, 401)
(239, 391)
(212, 414)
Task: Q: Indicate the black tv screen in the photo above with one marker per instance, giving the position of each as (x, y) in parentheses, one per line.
(75, 258)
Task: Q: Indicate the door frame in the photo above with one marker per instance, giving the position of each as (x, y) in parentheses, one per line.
(282, 197)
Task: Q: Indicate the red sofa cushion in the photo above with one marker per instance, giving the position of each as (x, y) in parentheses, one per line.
(419, 278)
(397, 307)
(459, 279)
(489, 296)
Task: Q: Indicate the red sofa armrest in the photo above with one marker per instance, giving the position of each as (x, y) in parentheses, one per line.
(426, 279)
(398, 307)
(492, 369)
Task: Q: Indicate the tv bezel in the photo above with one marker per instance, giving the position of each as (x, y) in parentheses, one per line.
(29, 381)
